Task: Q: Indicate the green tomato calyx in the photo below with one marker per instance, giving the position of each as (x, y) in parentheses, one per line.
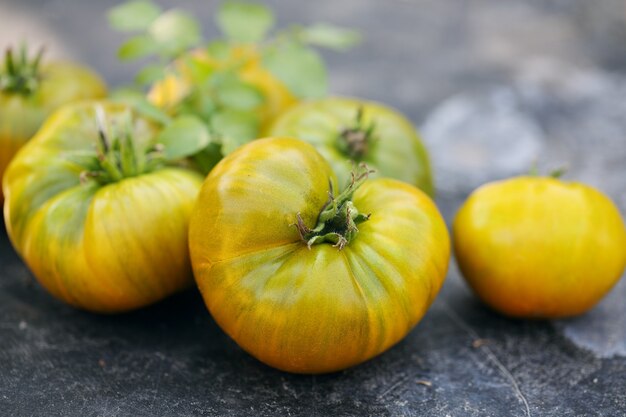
(355, 141)
(555, 173)
(21, 75)
(118, 155)
(338, 220)
(558, 172)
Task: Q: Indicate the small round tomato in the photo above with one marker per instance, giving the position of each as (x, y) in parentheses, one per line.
(540, 247)
(244, 60)
(97, 213)
(345, 130)
(305, 279)
(30, 90)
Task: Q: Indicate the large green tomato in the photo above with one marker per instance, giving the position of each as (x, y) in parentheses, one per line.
(540, 247)
(308, 283)
(30, 91)
(95, 211)
(345, 130)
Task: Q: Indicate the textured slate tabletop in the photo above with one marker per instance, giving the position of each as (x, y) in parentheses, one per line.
(494, 85)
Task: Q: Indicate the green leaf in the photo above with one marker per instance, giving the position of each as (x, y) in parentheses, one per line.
(197, 103)
(222, 77)
(239, 95)
(149, 74)
(235, 128)
(208, 157)
(150, 111)
(244, 21)
(219, 50)
(300, 68)
(185, 136)
(126, 92)
(141, 105)
(199, 69)
(174, 32)
(329, 36)
(134, 15)
(137, 47)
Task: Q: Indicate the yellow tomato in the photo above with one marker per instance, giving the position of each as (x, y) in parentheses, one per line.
(246, 61)
(540, 247)
(305, 283)
(105, 240)
(23, 110)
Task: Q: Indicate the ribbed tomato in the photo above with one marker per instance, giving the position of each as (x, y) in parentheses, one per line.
(306, 279)
(97, 213)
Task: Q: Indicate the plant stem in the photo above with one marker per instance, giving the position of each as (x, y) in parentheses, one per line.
(21, 76)
(355, 141)
(117, 154)
(338, 219)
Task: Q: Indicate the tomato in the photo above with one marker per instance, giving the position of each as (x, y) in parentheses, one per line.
(305, 283)
(540, 247)
(95, 211)
(345, 130)
(244, 60)
(30, 91)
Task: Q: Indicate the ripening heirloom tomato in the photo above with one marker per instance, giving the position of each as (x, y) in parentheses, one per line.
(308, 283)
(30, 90)
(345, 130)
(96, 212)
(540, 247)
(243, 59)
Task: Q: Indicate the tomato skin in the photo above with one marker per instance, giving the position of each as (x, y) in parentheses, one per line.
(540, 247)
(22, 115)
(396, 152)
(320, 309)
(104, 248)
(169, 92)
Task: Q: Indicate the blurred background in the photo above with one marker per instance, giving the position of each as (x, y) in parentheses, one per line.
(494, 86)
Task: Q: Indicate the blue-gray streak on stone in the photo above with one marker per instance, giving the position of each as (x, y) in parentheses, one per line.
(603, 329)
(474, 138)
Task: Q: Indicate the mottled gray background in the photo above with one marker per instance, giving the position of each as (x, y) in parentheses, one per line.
(494, 85)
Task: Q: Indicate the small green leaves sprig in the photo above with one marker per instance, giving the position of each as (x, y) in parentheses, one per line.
(225, 102)
(287, 54)
(164, 35)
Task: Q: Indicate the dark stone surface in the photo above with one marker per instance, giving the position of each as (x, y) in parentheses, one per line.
(172, 359)
(564, 62)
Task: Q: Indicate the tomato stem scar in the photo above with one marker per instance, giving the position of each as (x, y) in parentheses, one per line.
(355, 141)
(118, 154)
(21, 75)
(338, 219)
